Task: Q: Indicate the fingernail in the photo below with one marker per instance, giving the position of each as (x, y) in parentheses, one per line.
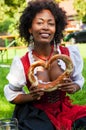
(42, 89)
(38, 98)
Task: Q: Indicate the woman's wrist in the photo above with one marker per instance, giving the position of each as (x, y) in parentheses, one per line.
(22, 98)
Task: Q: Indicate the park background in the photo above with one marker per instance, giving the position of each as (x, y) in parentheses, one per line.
(10, 11)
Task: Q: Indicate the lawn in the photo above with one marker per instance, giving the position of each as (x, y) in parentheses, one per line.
(6, 108)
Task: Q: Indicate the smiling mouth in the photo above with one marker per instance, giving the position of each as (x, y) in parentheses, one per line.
(44, 35)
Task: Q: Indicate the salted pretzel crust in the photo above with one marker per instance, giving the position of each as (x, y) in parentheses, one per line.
(51, 86)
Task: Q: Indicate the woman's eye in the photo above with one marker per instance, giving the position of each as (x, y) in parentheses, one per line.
(39, 23)
(52, 24)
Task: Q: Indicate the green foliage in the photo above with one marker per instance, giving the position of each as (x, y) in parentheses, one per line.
(3, 7)
(10, 11)
(84, 19)
(80, 7)
(4, 26)
(14, 2)
(13, 28)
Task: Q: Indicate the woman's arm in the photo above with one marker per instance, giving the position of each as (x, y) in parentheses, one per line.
(77, 76)
(18, 96)
(34, 94)
(77, 80)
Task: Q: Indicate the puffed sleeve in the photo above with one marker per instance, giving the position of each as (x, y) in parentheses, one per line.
(16, 78)
(77, 76)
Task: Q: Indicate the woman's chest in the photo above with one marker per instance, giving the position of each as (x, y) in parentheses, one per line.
(49, 74)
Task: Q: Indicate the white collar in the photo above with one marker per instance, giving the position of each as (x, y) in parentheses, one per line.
(32, 60)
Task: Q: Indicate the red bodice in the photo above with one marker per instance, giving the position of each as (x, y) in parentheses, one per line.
(56, 104)
(47, 97)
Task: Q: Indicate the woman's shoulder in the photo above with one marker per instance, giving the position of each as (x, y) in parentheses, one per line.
(75, 54)
(74, 50)
(16, 61)
(70, 48)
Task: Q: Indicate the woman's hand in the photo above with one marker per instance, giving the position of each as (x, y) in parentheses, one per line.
(69, 86)
(36, 92)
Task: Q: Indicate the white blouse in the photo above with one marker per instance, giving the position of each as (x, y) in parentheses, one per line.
(17, 79)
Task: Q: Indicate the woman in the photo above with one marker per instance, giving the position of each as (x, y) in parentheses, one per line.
(41, 25)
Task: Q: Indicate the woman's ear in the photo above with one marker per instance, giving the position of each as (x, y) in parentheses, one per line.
(30, 31)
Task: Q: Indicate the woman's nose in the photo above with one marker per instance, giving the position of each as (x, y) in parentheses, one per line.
(45, 26)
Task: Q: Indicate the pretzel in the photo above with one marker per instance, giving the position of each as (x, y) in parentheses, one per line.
(51, 86)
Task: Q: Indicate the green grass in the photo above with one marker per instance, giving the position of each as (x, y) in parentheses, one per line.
(80, 96)
(6, 109)
(11, 53)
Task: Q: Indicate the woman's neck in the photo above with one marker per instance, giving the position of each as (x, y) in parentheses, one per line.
(43, 52)
(43, 49)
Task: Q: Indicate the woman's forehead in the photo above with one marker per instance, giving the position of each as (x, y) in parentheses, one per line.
(44, 13)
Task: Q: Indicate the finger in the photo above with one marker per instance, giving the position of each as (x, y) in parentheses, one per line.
(37, 96)
(67, 80)
(37, 93)
(70, 90)
(63, 85)
(67, 88)
(32, 88)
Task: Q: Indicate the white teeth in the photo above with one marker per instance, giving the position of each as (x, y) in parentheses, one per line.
(44, 35)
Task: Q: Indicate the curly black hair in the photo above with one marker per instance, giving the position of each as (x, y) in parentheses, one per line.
(37, 6)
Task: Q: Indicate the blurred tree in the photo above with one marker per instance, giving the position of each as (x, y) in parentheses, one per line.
(14, 2)
(4, 20)
(80, 7)
(84, 19)
(14, 6)
(10, 11)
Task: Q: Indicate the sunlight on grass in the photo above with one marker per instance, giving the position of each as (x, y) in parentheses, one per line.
(13, 52)
(82, 48)
(6, 109)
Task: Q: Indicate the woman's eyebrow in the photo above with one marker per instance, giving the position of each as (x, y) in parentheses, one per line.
(43, 19)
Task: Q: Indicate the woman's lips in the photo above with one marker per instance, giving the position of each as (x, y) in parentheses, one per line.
(45, 35)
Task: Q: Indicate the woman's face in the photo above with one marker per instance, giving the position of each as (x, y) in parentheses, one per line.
(43, 27)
